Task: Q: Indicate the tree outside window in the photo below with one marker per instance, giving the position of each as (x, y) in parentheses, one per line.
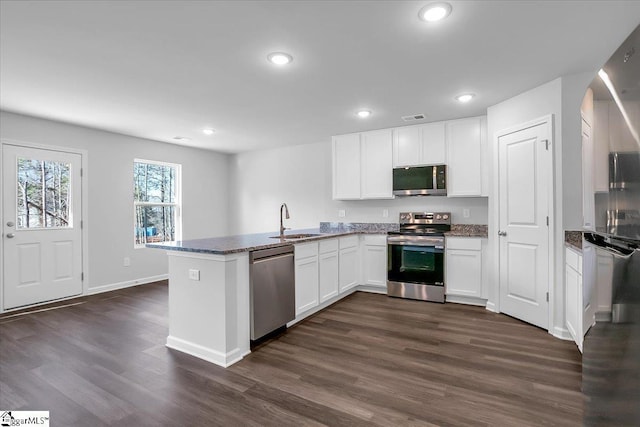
(156, 202)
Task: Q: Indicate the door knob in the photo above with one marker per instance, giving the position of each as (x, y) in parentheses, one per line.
(10, 224)
(10, 235)
(502, 233)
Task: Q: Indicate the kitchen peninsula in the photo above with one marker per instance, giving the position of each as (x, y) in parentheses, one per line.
(209, 292)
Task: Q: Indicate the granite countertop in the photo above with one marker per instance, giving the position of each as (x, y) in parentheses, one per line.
(573, 239)
(327, 230)
(468, 230)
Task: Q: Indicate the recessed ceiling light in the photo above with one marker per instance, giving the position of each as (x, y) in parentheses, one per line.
(208, 131)
(181, 138)
(434, 12)
(465, 97)
(364, 113)
(279, 58)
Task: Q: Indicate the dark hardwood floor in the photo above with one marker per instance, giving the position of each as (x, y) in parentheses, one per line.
(366, 360)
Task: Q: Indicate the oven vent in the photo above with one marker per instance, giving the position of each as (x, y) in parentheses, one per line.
(414, 117)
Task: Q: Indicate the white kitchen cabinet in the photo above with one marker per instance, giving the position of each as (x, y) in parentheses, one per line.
(346, 167)
(419, 145)
(466, 147)
(375, 260)
(588, 204)
(349, 262)
(463, 267)
(328, 269)
(600, 137)
(363, 165)
(573, 299)
(306, 275)
(376, 164)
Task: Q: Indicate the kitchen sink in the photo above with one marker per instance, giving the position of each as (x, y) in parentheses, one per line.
(295, 236)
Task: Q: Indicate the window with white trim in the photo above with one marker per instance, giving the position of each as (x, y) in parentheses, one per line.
(156, 202)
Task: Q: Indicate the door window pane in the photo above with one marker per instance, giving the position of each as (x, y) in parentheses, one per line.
(43, 194)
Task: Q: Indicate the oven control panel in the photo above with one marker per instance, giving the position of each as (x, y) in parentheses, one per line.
(425, 217)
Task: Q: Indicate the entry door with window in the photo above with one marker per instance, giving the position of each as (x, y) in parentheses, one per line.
(524, 171)
(42, 236)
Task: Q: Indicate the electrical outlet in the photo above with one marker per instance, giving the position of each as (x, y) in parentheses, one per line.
(194, 274)
(385, 213)
(465, 213)
(342, 213)
(127, 261)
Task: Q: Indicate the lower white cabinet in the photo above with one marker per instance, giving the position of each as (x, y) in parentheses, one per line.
(328, 269)
(307, 279)
(349, 262)
(573, 295)
(375, 260)
(463, 267)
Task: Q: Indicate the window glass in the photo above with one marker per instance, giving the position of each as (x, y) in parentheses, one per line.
(43, 194)
(156, 202)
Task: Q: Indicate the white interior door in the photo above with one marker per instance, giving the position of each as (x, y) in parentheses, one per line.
(524, 171)
(42, 236)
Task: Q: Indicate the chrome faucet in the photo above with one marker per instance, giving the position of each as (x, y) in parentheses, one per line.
(286, 211)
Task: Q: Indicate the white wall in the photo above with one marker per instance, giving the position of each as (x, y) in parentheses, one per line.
(110, 201)
(301, 177)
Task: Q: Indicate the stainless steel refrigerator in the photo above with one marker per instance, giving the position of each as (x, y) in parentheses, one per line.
(611, 349)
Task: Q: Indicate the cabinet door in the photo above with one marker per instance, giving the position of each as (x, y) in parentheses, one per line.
(375, 265)
(588, 204)
(407, 146)
(346, 167)
(306, 284)
(464, 154)
(328, 275)
(463, 273)
(377, 164)
(433, 144)
(348, 267)
(600, 137)
(589, 296)
(573, 304)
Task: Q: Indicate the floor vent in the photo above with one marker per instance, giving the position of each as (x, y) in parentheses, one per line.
(414, 117)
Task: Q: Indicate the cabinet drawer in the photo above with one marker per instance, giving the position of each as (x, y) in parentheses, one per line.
(375, 239)
(329, 245)
(574, 260)
(306, 250)
(464, 243)
(348, 242)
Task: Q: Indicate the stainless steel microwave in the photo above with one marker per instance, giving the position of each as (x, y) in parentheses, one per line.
(420, 181)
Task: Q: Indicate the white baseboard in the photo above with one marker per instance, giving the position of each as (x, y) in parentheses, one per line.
(603, 316)
(562, 333)
(459, 299)
(491, 306)
(205, 353)
(127, 284)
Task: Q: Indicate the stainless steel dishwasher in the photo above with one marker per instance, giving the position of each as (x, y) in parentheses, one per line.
(273, 292)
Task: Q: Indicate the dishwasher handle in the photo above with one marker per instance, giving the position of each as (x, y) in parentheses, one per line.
(271, 258)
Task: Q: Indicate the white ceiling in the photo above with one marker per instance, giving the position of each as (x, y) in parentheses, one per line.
(161, 69)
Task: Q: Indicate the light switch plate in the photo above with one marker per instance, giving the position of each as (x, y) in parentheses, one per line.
(194, 274)
(465, 213)
(385, 213)
(342, 213)
(127, 261)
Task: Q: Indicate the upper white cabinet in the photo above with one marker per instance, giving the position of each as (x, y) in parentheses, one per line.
(419, 145)
(600, 137)
(588, 203)
(346, 166)
(362, 165)
(466, 154)
(376, 164)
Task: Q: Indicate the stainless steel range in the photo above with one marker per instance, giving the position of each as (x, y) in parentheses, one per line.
(415, 267)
